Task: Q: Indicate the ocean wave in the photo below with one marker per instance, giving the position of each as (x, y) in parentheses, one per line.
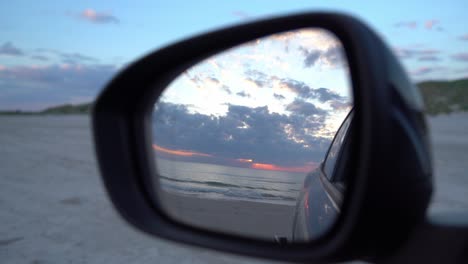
(222, 184)
(216, 191)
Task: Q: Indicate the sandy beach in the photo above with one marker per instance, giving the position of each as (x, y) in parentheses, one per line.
(55, 210)
(245, 218)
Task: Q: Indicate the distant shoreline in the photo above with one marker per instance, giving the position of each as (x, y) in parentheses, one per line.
(65, 109)
(440, 98)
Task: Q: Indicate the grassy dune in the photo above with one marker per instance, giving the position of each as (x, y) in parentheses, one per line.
(443, 97)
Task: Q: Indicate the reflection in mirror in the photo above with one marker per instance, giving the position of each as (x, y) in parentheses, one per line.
(240, 138)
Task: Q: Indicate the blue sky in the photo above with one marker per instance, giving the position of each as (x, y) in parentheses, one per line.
(65, 51)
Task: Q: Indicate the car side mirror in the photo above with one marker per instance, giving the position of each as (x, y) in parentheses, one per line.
(210, 139)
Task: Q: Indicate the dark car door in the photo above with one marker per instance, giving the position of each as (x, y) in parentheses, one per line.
(319, 202)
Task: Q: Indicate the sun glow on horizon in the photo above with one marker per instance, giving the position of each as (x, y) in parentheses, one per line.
(184, 153)
(272, 167)
(253, 165)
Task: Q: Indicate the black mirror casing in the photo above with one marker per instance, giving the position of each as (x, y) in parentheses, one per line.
(390, 182)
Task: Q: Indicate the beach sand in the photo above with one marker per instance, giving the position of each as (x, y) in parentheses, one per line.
(245, 218)
(54, 208)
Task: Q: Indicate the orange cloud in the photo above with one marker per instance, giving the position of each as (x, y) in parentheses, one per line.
(431, 23)
(93, 16)
(185, 153)
(245, 160)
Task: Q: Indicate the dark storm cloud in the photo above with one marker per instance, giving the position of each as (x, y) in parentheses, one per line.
(244, 132)
(8, 48)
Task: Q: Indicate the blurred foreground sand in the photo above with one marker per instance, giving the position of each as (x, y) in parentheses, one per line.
(54, 209)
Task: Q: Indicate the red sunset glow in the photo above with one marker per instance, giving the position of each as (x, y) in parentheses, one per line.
(184, 153)
(258, 166)
(265, 166)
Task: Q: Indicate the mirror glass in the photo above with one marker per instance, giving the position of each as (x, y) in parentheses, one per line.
(241, 138)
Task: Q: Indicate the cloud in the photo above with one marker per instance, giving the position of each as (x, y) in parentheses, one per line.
(429, 58)
(39, 58)
(300, 107)
(299, 88)
(243, 94)
(226, 89)
(76, 58)
(429, 24)
(425, 70)
(333, 56)
(410, 53)
(98, 17)
(407, 24)
(306, 92)
(66, 57)
(463, 37)
(8, 48)
(213, 80)
(340, 105)
(259, 78)
(241, 14)
(311, 57)
(243, 133)
(462, 56)
(27, 86)
(279, 96)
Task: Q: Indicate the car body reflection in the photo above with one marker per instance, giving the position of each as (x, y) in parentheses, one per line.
(320, 199)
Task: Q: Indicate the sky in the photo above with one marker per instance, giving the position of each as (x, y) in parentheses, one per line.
(66, 51)
(273, 103)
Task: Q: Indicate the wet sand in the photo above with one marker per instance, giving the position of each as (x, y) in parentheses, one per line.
(245, 218)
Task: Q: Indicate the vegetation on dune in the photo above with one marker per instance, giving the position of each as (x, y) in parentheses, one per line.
(443, 97)
(68, 109)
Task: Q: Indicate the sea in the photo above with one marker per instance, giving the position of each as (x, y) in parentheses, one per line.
(229, 183)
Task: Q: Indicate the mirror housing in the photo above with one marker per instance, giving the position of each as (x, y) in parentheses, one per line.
(391, 184)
